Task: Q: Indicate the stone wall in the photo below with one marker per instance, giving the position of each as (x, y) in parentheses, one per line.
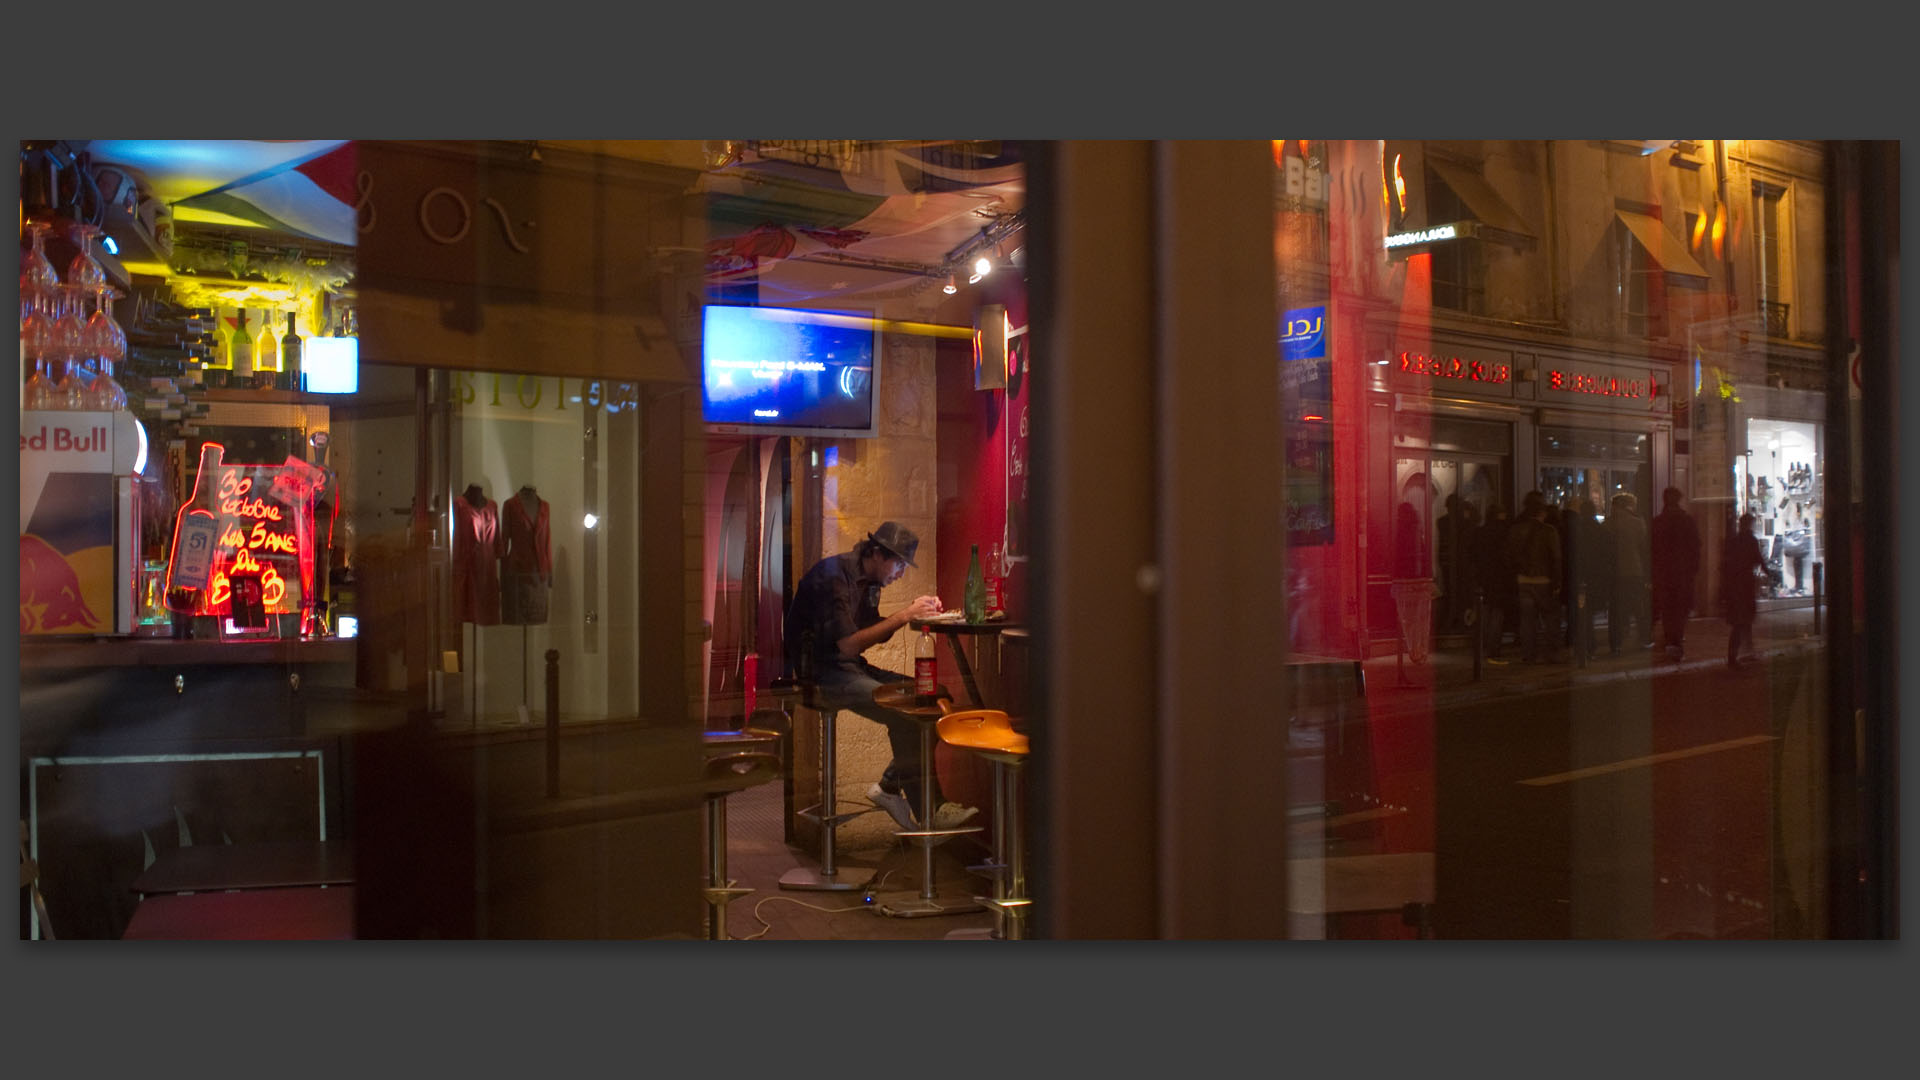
(888, 478)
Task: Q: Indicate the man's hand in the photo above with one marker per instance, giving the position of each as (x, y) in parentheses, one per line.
(923, 606)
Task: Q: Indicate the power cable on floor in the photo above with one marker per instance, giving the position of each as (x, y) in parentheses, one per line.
(766, 927)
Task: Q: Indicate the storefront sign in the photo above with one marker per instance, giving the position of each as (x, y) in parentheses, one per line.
(1598, 383)
(1304, 335)
(1443, 368)
(1454, 231)
(483, 393)
(1304, 369)
(1443, 365)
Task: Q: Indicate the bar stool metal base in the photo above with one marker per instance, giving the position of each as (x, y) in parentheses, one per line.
(809, 879)
(917, 908)
(828, 876)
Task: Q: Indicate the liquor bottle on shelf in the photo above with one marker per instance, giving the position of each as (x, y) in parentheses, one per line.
(220, 363)
(290, 345)
(926, 670)
(974, 600)
(266, 355)
(242, 376)
(996, 580)
(196, 529)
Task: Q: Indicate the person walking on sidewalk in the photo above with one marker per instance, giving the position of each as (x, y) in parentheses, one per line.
(1628, 604)
(1589, 564)
(1495, 574)
(1676, 562)
(1533, 547)
(1740, 562)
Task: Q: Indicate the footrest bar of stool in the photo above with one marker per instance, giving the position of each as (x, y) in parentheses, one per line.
(812, 814)
(917, 908)
(810, 879)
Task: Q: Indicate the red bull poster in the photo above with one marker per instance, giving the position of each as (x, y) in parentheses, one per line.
(265, 536)
(71, 522)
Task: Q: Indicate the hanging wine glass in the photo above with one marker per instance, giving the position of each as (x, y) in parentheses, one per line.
(37, 276)
(107, 344)
(84, 271)
(67, 351)
(36, 338)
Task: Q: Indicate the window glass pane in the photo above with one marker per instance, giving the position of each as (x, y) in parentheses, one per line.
(480, 514)
(1580, 571)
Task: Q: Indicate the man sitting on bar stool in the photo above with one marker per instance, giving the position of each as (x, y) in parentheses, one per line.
(839, 602)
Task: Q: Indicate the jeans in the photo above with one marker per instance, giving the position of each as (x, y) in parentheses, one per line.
(851, 688)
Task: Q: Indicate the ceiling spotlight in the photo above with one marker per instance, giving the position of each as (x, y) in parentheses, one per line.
(982, 266)
(951, 286)
(590, 521)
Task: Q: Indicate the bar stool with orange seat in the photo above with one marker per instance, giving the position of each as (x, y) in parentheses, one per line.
(990, 734)
(900, 697)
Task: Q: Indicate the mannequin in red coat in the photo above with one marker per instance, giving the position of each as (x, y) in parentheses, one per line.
(526, 560)
(477, 548)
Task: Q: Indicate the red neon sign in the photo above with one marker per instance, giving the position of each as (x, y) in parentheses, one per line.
(261, 521)
(1576, 382)
(1453, 367)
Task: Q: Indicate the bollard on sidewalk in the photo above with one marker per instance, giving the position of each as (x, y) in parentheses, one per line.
(553, 723)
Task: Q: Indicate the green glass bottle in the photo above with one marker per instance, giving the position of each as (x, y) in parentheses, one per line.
(975, 598)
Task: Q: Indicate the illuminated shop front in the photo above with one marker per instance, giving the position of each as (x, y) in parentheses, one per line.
(1475, 427)
(1778, 481)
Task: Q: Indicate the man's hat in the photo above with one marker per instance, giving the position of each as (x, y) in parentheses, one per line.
(898, 539)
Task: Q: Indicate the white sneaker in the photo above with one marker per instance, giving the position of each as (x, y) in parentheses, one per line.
(895, 806)
(952, 815)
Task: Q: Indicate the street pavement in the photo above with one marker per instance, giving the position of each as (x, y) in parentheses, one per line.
(1446, 678)
(1630, 798)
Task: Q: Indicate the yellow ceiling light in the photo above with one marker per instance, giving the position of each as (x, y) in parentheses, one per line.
(199, 291)
(211, 217)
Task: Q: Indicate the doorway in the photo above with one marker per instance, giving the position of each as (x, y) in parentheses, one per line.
(1444, 490)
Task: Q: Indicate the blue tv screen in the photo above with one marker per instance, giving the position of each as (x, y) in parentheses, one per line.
(788, 370)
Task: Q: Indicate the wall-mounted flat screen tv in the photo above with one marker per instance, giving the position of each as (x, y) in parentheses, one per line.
(789, 371)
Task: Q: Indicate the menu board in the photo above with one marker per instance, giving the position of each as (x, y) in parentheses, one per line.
(268, 535)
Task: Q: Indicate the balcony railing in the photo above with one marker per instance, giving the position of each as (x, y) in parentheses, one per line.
(1776, 316)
